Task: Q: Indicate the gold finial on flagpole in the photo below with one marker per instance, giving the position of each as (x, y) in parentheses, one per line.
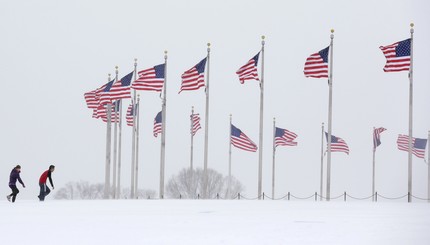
(332, 30)
(332, 35)
(263, 40)
(109, 76)
(165, 54)
(412, 27)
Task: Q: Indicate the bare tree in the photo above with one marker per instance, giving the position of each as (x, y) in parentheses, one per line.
(189, 183)
(83, 190)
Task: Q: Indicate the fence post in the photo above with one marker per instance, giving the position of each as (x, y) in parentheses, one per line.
(376, 196)
(315, 196)
(288, 196)
(149, 197)
(344, 196)
(238, 196)
(263, 195)
(217, 196)
(180, 196)
(409, 197)
(198, 196)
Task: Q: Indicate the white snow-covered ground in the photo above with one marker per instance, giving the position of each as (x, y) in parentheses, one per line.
(213, 222)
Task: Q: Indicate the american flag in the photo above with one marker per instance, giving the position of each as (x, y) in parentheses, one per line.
(194, 78)
(157, 124)
(338, 144)
(91, 100)
(241, 141)
(102, 93)
(101, 112)
(195, 123)
(121, 89)
(317, 64)
(151, 79)
(377, 137)
(284, 137)
(418, 145)
(249, 70)
(130, 113)
(398, 56)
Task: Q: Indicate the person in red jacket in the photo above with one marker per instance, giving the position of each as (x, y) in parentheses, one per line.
(44, 189)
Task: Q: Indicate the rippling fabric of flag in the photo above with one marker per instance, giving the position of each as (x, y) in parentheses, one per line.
(377, 136)
(90, 99)
(317, 64)
(241, 141)
(130, 113)
(151, 79)
(249, 70)
(194, 78)
(418, 145)
(101, 112)
(121, 89)
(398, 56)
(102, 93)
(157, 124)
(195, 123)
(338, 144)
(284, 137)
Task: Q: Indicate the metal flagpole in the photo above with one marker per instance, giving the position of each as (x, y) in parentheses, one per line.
(410, 117)
(205, 167)
(163, 129)
(229, 161)
(273, 159)
(192, 138)
(115, 145)
(136, 161)
(330, 84)
(322, 161)
(428, 167)
(108, 148)
(133, 140)
(260, 143)
(373, 168)
(118, 191)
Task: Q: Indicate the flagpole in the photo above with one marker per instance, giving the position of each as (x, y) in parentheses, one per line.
(118, 191)
(410, 117)
(192, 138)
(163, 129)
(273, 159)
(229, 161)
(260, 152)
(108, 148)
(136, 111)
(322, 161)
(115, 145)
(205, 170)
(330, 84)
(428, 167)
(133, 143)
(373, 171)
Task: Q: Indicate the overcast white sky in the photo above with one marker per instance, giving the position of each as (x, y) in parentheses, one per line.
(53, 52)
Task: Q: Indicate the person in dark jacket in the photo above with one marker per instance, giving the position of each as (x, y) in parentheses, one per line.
(44, 189)
(14, 176)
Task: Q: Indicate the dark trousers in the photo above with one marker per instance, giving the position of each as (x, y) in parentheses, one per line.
(44, 191)
(15, 192)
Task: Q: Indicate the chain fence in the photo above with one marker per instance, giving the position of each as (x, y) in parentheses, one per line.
(289, 197)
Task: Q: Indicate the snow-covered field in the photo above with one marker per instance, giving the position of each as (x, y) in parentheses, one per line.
(213, 222)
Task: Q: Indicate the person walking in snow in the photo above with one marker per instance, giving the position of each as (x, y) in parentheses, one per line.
(14, 176)
(44, 189)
